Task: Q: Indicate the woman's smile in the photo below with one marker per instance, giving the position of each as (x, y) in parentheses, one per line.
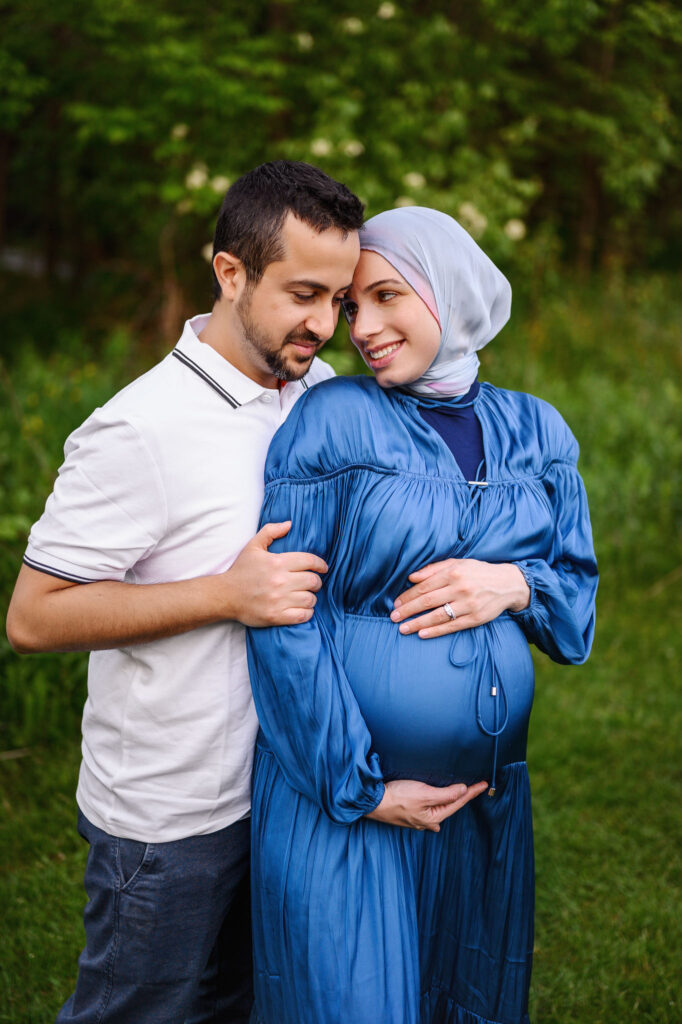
(380, 357)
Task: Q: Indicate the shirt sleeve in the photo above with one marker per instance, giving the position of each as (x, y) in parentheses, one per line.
(306, 707)
(107, 510)
(561, 614)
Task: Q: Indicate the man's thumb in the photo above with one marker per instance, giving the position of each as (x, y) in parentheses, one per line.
(270, 532)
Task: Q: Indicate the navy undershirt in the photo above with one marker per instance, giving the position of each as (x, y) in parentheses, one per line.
(458, 425)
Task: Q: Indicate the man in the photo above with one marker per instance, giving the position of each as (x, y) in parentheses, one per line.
(145, 556)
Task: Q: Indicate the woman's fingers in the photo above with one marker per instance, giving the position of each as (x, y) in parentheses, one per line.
(427, 570)
(438, 617)
(425, 597)
(451, 626)
(417, 805)
(447, 810)
(424, 582)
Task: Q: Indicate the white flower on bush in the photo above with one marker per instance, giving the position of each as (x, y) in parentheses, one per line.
(475, 221)
(197, 177)
(386, 11)
(220, 183)
(179, 131)
(207, 252)
(320, 147)
(413, 179)
(515, 229)
(305, 41)
(353, 148)
(353, 26)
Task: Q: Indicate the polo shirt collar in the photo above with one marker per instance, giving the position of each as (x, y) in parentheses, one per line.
(229, 382)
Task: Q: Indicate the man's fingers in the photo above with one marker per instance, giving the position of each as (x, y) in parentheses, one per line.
(301, 611)
(270, 532)
(302, 561)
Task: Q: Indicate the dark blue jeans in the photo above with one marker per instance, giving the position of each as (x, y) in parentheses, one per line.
(167, 929)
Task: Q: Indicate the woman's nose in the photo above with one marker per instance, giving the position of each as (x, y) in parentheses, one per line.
(366, 324)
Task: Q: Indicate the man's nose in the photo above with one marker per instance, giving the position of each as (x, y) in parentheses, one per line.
(323, 321)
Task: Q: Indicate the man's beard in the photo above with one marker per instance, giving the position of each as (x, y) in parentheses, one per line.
(259, 342)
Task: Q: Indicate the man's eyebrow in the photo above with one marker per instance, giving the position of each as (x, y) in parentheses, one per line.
(386, 280)
(315, 286)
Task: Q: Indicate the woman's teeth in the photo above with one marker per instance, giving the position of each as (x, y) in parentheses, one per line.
(381, 353)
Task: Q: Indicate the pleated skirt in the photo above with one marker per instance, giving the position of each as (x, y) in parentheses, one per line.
(377, 924)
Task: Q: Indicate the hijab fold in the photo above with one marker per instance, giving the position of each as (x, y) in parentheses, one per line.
(463, 289)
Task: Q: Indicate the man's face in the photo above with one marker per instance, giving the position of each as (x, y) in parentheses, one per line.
(294, 308)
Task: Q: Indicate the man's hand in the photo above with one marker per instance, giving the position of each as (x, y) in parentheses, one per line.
(416, 805)
(476, 591)
(273, 589)
(259, 589)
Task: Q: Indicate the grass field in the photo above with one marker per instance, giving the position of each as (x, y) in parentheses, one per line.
(604, 743)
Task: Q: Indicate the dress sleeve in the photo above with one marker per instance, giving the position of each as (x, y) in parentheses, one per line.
(560, 616)
(306, 708)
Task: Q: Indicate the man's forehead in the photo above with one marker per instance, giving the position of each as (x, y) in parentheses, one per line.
(308, 248)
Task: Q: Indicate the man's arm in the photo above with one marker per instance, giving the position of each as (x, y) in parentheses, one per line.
(47, 613)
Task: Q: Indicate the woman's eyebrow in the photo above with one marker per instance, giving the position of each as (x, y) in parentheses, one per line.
(386, 280)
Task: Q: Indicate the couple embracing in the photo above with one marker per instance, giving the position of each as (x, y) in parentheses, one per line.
(418, 529)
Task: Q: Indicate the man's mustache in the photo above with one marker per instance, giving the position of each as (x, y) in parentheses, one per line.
(303, 336)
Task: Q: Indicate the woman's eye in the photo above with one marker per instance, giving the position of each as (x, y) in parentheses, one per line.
(350, 309)
(386, 296)
(304, 297)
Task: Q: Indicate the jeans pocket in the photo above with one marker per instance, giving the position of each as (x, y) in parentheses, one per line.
(133, 856)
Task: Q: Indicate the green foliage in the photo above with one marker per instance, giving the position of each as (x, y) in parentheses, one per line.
(547, 128)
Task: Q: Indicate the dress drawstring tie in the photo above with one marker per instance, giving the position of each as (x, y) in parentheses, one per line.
(482, 638)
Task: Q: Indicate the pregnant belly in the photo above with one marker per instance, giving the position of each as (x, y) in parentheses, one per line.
(432, 706)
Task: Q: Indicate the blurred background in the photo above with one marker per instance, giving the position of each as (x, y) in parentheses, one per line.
(551, 130)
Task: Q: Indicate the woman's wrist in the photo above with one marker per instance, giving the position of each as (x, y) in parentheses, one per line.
(519, 589)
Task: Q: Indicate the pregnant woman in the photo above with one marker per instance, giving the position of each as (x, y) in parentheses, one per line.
(358, 920)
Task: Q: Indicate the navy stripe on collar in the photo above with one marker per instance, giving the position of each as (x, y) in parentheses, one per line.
(191, 365)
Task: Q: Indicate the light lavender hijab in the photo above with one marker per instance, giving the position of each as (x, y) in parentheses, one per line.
(466, 293)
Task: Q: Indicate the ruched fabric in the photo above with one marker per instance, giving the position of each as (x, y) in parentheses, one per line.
(357, 921)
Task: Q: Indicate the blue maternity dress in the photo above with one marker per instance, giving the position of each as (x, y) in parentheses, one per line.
(355, 921)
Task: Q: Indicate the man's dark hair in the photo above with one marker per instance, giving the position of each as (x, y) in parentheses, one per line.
(254, 208)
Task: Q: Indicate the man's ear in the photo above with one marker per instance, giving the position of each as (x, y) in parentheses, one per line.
(231, 274)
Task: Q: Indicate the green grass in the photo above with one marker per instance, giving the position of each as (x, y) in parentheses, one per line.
(604, 739)
(605, 769)
(42, 860)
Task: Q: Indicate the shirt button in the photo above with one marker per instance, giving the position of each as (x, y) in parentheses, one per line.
(267, 398)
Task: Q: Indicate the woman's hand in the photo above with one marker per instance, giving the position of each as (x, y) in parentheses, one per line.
(476, 592)
(416, 805)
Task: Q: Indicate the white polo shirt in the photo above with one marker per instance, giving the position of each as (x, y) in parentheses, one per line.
(164, 483)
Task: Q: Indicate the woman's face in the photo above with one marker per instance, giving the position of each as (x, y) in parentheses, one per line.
(391, 326)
